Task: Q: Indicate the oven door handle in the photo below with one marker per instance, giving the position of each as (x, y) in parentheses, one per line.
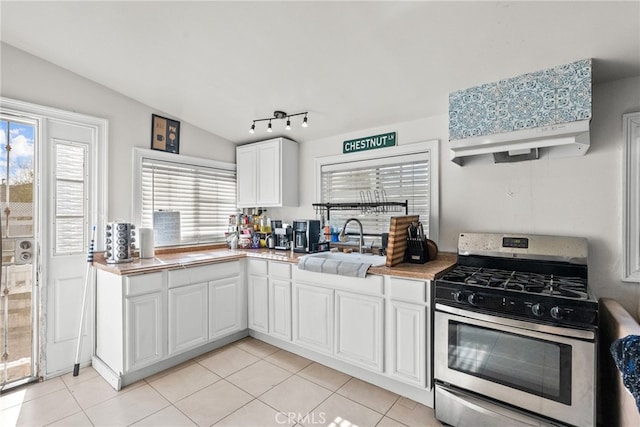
(529, 326)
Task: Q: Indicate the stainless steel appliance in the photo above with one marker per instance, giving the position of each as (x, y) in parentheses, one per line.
(282, 235)
(515, 333)
(119, 242)
(306, 235)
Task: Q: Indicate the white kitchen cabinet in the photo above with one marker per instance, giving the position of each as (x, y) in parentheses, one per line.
(280, 304)
(267, 174)
(144, 330)
(408, 343)
(407, 358)
(359, 330)
(258, 284)
(313, 317)
(225, 306)
(188, 317)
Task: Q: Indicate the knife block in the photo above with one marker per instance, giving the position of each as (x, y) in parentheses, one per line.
(417, 251)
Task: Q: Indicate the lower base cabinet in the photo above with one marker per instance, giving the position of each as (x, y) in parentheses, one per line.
(313, 317)
(408, 342)
(144, 331)
(359, 329)
(280, 314)
(188, 320)
(225, 306)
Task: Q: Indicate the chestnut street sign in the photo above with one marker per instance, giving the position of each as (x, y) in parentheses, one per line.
(369, 143)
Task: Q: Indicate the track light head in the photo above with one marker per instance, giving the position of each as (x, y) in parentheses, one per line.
(253, 128)
(269, 127)
(304, 122)
(288, 127)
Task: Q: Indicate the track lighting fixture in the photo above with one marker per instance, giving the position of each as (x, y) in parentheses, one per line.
(280, 115)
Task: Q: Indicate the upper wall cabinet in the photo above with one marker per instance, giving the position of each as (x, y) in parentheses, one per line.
(267, 173)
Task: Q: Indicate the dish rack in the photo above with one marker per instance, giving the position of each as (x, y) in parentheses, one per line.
(375, 208)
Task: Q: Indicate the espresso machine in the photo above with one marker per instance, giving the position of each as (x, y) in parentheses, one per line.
(282, 236)
(306, 236)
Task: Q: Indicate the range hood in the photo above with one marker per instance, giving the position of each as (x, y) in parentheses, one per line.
(523, 118)
(561, 140)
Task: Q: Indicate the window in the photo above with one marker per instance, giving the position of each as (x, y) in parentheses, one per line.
(397, 174)
(203, 191)
(631, 207)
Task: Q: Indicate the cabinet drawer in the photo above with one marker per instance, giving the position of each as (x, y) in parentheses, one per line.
(205, 273)
(281, 270)
(143, 284)
(258, 267)
(407, 290)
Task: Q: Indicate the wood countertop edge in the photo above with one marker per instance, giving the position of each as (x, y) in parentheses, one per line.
(428, 271)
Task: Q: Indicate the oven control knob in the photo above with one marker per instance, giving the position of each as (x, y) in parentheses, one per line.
(557, 312)
(537, 309)
(458, 296)
(473, 299)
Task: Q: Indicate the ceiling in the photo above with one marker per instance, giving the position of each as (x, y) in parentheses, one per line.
(352, 65)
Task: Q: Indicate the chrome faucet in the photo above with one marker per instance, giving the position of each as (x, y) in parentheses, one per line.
(342, 236)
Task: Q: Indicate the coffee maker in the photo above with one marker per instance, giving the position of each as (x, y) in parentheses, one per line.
(306, 236)
(282, 235)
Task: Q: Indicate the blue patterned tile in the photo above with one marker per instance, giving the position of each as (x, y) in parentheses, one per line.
(556, 95)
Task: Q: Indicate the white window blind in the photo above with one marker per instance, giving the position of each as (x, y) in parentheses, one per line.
(204, 196)
(393, 179)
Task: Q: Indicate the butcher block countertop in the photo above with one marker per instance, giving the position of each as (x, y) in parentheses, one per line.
(167, 261)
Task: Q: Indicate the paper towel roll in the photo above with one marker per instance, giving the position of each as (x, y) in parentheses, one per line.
(147, 246)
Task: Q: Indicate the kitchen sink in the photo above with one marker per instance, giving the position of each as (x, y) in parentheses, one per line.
(374, 260)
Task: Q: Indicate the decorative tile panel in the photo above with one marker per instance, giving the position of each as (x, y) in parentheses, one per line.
(556, 95)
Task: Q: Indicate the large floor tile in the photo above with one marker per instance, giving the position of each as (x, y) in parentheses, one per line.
(389, 422)
(166, 372)
(259, 377)
(29, 392)
(324, 376)
(295, 395)
(212, 403)
(91, 392)
(255, 414)
(41, 410)
(289, 361)
(412, 413)
(127, 408)
(84, 374)
(340, 411)
(79, 419)
(256, 347)
(180, 384)
(227, 360)
(169, 416)
(369, 395)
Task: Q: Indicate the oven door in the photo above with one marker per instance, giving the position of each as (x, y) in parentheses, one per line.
(547, 370)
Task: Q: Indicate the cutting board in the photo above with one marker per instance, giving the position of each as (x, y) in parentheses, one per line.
(398, 238)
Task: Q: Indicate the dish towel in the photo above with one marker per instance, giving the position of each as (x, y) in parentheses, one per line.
(332, 266)
(626, 355)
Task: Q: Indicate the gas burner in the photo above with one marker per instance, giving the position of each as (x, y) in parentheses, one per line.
(519, 281)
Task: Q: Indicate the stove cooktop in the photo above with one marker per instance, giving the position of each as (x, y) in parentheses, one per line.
(520, 281)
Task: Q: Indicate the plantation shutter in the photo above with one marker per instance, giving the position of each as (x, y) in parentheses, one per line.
(204, 196)
(394, 179)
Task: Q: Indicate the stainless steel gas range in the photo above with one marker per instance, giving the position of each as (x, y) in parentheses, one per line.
(515, 333)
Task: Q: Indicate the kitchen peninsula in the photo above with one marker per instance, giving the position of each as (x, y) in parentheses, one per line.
(152, 314)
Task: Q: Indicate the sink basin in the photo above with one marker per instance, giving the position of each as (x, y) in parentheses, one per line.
(374, 260)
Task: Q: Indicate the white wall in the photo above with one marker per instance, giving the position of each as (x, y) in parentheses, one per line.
(27, 78)
(577, 196)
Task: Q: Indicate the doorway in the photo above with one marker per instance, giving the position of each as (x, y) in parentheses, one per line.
(18, 292)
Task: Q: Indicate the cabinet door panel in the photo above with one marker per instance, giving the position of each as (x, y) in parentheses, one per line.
(224, 307)
(408, 343)
(280, 313)
(145, 334)
(246, 167)
(313, 317)
(187, 317)
(269, 184)
(259, 303)
(359, 329)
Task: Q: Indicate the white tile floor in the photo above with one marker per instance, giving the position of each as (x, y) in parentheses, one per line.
(247, 383)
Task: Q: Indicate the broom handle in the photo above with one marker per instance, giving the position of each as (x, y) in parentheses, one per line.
(76, 366)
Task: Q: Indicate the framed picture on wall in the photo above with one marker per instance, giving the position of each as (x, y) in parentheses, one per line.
(165, 134)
